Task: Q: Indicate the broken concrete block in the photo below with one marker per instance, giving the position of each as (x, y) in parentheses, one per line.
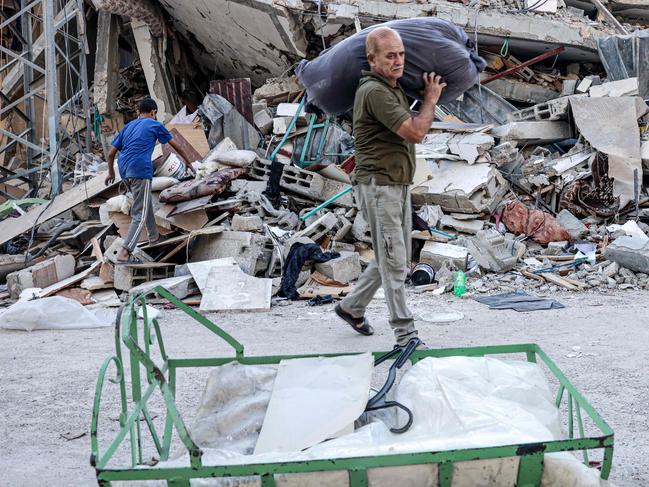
(281, 124)
(343, 269)
(572, 224)
(463, 226)
(361, 229)
(629, 252)
(247, 223)
(289, 110)
(611, 269)
(458, 187)
(243, 185)
(252, 251)
(319, 228)
(535, 132)
(438, 254)
(623, 87)
(264, 121)
(493, 252)
(228, 288)
(181, 286)
(112, 250)
(504, 153)
(584, 85)
(568, 87)
(41, 275)
(556, 248)
(470, 146)
(522, 92)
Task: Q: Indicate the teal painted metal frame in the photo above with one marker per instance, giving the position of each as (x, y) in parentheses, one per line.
(138, 343)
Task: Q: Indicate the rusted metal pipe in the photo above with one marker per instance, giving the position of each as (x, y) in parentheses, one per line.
(534, 60)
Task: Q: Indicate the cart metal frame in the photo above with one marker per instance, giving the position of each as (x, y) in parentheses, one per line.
(139, 338)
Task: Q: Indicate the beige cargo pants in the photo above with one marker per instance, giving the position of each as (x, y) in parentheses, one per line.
(388, 213)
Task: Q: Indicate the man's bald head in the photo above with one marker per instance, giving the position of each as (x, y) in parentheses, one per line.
(375, 39)
(385, 53)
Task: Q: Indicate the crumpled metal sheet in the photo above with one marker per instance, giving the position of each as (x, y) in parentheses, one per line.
(610, 125)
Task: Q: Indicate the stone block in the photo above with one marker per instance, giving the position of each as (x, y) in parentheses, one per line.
(572, 224)
(181, 286)
(264, 121)
(342, 228)
(281, 124)
(343, 269)
(43, 274)
(439, 254)
(493, 252)
(461, 188)
(623, 87)
(631, 252)
(361, 229)
(252, 223)
(252, 251)
(533, 132)
(463, 226)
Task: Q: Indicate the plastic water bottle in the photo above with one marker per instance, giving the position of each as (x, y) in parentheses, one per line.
(459, 283)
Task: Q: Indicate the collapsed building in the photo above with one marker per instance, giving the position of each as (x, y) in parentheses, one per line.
(524, 181)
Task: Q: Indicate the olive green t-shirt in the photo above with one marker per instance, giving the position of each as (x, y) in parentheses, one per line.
(379, 111)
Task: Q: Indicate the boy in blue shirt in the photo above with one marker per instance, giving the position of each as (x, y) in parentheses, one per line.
(136, 142)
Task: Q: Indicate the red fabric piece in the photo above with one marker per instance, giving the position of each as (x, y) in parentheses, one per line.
(536, 224)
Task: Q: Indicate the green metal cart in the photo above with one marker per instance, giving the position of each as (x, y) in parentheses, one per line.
(139, 337)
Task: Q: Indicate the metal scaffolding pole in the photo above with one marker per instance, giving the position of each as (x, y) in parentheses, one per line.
(52, 68)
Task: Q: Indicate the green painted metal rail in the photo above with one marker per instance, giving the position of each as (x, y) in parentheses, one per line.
(139, 338)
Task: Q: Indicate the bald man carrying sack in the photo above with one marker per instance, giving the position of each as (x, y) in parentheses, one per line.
(385, 133)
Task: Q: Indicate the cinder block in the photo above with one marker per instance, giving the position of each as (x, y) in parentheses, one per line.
(263, 121)
(43, 274)
(304, 183)
(343, 269)
(126, 277)
(181, 286)
(319, 228)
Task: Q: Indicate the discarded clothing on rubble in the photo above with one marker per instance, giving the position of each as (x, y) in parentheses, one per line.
(295, 259)
(211, 185)
(519, 301)
(536, 224)
(432, 44)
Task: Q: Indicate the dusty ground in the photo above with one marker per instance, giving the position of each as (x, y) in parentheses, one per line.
(48, 378)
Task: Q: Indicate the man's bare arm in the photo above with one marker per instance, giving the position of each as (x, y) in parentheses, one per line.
(111, 166)
(414, 129)
(181, 152)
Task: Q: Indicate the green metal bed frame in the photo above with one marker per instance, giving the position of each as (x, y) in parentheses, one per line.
(138, 345)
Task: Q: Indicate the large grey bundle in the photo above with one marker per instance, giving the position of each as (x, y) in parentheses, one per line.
(431, 44)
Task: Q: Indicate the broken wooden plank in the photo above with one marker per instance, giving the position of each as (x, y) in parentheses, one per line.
(17, 226)
(54, 288)
(559, 281)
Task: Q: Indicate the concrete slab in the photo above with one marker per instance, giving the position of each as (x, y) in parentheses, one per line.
(228, 288)
(533, 132)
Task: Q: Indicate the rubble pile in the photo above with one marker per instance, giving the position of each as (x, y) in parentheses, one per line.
(533, 179)
(529, 204)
